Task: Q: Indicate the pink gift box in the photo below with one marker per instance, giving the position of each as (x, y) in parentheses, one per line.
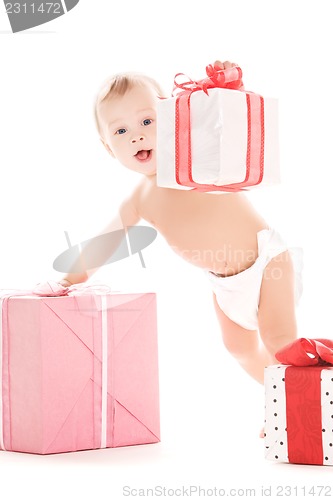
(78, 372)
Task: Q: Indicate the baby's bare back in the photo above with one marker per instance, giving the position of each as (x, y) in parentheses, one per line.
(212, 231)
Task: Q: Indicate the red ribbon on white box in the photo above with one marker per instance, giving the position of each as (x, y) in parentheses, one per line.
(228, 79)
(304, 418)
(307, 357)
(97, 290)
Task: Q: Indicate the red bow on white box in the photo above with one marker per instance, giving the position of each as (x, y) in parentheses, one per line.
(230, 79)
(307, 352)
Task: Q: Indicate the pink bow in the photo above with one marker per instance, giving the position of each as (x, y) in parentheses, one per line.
(230, 78)
(307, 352)
(54, 289)
(50, 289)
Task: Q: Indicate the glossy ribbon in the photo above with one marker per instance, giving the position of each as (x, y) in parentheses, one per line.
(104, 408)
(54, 290)
(303, 397)
(229, 79)
(307, 352)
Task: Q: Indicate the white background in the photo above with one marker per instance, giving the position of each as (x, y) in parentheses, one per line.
(56, 177)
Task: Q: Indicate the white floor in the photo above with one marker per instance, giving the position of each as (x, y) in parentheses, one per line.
(209, 440)
(211, 414)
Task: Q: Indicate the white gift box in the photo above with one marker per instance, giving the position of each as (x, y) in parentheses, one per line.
(223, 135)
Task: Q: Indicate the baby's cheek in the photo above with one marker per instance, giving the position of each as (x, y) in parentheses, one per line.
(118, 150)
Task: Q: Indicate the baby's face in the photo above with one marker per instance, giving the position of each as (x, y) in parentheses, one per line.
(129, 127)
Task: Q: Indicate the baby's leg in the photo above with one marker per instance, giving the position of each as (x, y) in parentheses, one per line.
(276, 319)
(244, 345)
(276, 315)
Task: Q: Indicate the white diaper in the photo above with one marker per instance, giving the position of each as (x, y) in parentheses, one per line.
(238, 295)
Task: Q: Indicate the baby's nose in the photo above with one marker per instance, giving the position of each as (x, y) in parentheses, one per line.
(137, 138)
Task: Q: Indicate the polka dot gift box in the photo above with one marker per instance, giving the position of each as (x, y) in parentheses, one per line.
(299, 404)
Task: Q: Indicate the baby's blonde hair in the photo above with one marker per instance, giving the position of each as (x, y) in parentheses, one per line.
(117, 86)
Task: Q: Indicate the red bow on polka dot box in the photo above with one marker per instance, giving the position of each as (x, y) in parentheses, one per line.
(299, 404)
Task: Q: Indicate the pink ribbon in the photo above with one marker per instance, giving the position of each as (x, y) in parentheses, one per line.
(55, 289)
(229, 79)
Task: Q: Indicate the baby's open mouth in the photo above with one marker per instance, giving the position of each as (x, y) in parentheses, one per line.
(143, 155)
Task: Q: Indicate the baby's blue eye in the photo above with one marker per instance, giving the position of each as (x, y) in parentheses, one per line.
(147, 121)
(121, 131)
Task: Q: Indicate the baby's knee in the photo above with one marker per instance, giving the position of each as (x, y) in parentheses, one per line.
(242, 344)
(275, 339)
(232, 346)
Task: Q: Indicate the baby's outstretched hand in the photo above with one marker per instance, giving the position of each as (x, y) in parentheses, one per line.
(236, 82)
(218, 65)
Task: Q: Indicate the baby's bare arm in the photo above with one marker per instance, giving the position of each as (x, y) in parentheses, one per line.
(127, 216)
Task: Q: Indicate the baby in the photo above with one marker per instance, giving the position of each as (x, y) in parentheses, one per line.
(255, 286)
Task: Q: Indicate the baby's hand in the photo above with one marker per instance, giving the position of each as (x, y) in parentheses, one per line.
(236, 82)
(65, 282)
(224, 65)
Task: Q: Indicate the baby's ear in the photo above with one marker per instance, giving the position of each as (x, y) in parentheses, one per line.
(107, 147)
